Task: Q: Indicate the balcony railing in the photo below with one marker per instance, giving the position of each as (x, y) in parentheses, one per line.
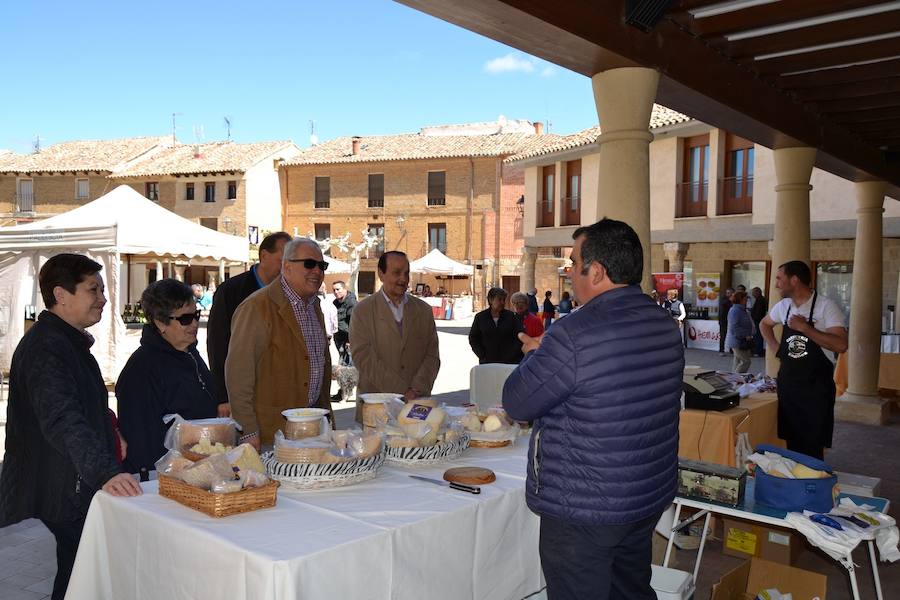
(735, 195)
(690, 198)
(25, 202)
(442, 201)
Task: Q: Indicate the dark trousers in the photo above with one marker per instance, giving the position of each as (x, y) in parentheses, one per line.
(340, 342)
(723, 331)
(808, 447)
(600, 562)
(759, 344)
(67, 537)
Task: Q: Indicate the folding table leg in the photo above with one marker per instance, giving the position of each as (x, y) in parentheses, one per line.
(671, 536)
(702, 545)
(875, 574)
(851, 569)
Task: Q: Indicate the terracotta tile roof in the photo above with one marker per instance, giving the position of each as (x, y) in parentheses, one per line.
(85, 155)
(216, 157)
(659, 117)
(415, 146)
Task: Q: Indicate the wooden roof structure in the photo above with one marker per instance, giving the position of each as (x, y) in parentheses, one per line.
(818, 73)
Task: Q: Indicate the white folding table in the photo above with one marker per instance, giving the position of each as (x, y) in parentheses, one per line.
(750, 511)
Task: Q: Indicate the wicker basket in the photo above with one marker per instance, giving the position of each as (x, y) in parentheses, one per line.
(429, 455)
(218, 505)
(313, 476)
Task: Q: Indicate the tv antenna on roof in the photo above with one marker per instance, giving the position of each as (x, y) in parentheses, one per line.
(198, 133)
(36, 145)
(174, 114)
(313, 138)
(228, 126)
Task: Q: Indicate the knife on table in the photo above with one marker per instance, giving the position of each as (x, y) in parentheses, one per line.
(452, 485)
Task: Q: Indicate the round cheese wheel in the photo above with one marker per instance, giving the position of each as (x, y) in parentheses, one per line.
(470, 475)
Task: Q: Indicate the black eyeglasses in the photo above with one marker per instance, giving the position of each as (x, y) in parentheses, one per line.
(310, 263)
(186, 319)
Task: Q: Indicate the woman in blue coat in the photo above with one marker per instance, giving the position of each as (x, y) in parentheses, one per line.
(166, 375)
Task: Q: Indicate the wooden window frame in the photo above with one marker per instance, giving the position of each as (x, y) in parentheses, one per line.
(316, 227)
(189, 191)
(207, 186)
(378, 250)
(151, 190)
(547, 208)
(736, 191)
(86, 195)
(232, 189)
(688, 188)
(572, 211)
(322, 193)
(437, 190)
(376, 192)
(437, 227)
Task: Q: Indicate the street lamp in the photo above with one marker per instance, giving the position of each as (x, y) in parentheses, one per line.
(520, 205)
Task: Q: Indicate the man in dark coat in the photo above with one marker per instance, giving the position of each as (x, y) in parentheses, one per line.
(603, 387)
(532, 301)
(228, 297)
(344, 302)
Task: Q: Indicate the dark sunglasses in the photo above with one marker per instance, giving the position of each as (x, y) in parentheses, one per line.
(186, 319)
(310, 263)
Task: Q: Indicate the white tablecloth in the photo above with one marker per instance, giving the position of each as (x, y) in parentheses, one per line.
(392, 537)
(890, 343)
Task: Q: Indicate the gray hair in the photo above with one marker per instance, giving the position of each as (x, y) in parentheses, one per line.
(518, 297)
(196, 286)
(291, 248)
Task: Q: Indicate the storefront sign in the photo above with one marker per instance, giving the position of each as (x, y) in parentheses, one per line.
(703, 335)
(706, 291)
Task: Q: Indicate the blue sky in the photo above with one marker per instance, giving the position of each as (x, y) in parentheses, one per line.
(93, 70)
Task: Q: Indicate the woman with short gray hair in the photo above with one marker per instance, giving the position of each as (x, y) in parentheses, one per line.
(494, 333)
(166, 375)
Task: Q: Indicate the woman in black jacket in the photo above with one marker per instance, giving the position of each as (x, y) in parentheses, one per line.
(60, 442)
(166, 375)
(494, 333)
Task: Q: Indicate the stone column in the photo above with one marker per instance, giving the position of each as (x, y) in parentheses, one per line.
(624, 99)
(529, 256)
(179, 272)
(675, 253)
(160, 274)
(221, 272)
(793, 167)
(861, 402)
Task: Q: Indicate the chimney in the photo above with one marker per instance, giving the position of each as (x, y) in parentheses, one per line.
(538, 128)
(355, 142)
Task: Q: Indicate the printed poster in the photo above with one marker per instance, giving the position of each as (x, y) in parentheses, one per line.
(706, 291)
(663, 282)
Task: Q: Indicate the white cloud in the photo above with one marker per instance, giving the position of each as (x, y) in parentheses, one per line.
(509, 64)
(548, 72)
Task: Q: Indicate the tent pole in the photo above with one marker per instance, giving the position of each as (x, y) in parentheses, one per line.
(128, 280)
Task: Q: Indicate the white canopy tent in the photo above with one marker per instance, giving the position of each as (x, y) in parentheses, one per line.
(438, 263)
(118, 223)
(336, 266)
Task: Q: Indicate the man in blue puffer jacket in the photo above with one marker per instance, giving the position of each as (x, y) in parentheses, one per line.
(603, 388)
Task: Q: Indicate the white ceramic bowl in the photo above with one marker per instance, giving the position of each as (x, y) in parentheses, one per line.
(380, 398)
(300, 415)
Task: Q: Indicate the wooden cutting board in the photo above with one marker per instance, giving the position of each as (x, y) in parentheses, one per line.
(470, 475)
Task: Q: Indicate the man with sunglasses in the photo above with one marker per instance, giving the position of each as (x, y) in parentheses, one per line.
(278, 356)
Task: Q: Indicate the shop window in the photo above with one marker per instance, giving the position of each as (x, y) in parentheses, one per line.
(834, 279)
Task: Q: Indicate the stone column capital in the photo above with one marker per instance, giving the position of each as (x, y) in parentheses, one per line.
(675, 247)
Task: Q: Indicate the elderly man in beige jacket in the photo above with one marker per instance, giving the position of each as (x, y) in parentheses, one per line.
(393, 339)
(278, 354)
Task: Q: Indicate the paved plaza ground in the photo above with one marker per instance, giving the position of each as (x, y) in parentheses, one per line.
(28, 564)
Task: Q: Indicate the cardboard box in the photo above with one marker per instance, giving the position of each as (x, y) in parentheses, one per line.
(745, 539)
(757, 574)
(858, 485)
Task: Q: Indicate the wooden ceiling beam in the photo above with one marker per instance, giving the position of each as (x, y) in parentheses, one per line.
(823, 59)
(857, 104)
(844, 75)
(826, 33)
(887, 124)
(864, 116)
(854, 90)
(766, 15)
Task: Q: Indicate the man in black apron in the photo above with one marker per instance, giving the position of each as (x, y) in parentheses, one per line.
(806, 390)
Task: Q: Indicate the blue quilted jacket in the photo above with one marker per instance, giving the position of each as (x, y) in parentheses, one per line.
(604, 393)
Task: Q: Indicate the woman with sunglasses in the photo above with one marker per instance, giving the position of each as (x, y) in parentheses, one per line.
(166, 375)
